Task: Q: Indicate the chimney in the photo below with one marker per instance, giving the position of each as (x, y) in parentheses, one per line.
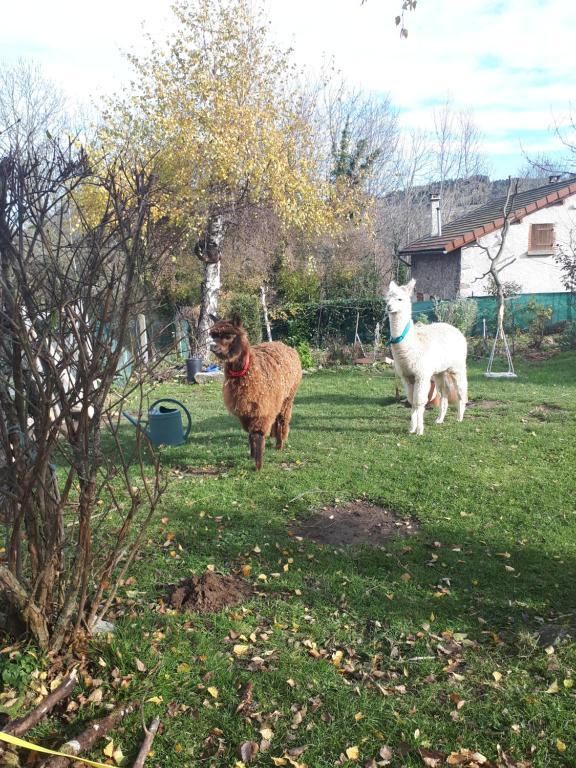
(436, 228)
(554, 178)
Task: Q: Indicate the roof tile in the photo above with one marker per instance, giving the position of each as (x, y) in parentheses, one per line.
(487, 218)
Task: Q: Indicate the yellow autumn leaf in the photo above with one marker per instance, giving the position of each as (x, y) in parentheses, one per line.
(117, 756)
(214, 692)
(352, 753)
(155, 700)
(568, 683)
(553, 688)
(358, 716)
(337, 658)
(279, 761)
(497, 676)
(240, 650)
(560, 746)
(267, 733)
(183, 668)
(246, 569)
(109, 749)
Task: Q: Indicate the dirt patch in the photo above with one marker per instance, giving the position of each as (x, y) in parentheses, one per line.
(208, 593)
(485, 405)
(354, 523)
(545, 411)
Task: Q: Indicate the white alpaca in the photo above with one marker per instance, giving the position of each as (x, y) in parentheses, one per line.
(423, 352)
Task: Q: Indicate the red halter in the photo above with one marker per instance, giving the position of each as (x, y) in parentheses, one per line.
(243, 372)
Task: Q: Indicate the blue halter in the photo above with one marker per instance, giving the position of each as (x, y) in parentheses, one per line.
(398, 339)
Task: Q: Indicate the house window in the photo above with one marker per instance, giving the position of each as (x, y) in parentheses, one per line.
(541, 239)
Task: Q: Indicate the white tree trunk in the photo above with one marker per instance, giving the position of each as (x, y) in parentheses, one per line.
(208, 306)
(142, 339)
(265, 312)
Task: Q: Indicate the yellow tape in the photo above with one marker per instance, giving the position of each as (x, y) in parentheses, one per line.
(28, 745)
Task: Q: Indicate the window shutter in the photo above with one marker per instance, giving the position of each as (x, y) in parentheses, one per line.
(541, 238)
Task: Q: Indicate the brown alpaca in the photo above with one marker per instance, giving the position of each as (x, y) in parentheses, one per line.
(259, 384)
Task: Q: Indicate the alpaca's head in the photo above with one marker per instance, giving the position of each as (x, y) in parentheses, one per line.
(398, 297)
(229, 339)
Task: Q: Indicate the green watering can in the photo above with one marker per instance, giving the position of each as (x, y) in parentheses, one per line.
(164, 425)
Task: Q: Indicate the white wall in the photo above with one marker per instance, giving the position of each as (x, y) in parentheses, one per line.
(536, 274)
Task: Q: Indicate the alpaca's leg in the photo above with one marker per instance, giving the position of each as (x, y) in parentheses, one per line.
(443, 389)
(420, 398)
(282, 423)
(251, 441)
(461, 381)
(258, 442)
(409, 389)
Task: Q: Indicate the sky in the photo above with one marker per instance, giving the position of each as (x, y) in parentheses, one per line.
(509, 61)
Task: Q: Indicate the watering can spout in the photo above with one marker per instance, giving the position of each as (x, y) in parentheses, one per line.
(135, 422)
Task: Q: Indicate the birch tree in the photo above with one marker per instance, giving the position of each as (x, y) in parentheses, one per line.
(215, 104)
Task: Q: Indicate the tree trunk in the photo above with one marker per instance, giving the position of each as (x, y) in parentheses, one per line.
(209, 249)
(265, 312)
(142, 341)
(208, 306)
(500, 308)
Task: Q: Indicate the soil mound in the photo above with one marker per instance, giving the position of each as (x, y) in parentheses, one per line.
(208, 593)
(354, 523)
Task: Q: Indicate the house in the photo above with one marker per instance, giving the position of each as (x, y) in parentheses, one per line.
(451, 262)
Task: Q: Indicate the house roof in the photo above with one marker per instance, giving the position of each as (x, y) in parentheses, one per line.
(488, 218)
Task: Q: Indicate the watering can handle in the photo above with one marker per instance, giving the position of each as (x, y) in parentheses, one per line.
(180, 405)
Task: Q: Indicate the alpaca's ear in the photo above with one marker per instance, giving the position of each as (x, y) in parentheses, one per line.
(392, 285)
(409, 287)
(236, 320)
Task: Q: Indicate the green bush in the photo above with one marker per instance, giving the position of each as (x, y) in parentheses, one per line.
(460, 312)
(540, 317)
(247, 306)
(422, 318)
(304, 352)
(568, 338)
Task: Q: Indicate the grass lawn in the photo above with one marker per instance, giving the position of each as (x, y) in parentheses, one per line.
(425, 643)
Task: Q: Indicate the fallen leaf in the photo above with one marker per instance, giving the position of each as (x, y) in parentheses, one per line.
(431, 757)
(560, 746)
(214, 692)
(240, 650)
(183, 668)
(246, 570)
(337, 658)
(109, 749)
(248, 750)
(385, 754)
(96, 696)
(140, 666)
(352, 753)
(497, 676)
(267, 733)
(155, 700)
(553, 688)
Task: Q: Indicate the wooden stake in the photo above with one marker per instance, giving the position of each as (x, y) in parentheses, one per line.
(85, 740)
(147, 743)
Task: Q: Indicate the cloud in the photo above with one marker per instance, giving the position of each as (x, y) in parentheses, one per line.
(510, 62)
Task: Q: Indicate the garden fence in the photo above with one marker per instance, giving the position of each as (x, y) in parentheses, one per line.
(317, 323)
